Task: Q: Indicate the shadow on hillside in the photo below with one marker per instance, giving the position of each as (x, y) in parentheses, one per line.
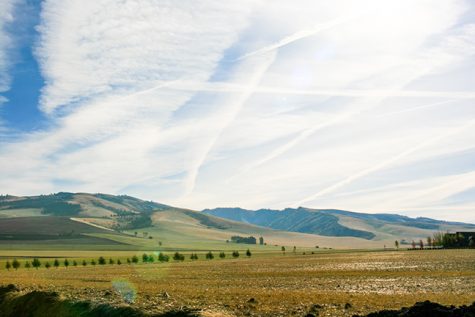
(47, 304)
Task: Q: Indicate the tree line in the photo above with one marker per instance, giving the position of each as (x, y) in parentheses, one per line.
(146, 258)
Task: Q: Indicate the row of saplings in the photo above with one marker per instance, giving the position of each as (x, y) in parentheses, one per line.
(146, 258)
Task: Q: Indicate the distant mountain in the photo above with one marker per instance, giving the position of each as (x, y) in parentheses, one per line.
(127, 222)
(337, 223)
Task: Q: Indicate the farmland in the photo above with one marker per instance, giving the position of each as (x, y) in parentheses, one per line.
(268, 283)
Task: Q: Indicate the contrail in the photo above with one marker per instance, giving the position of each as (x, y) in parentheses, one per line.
(298, 36)
(237, 88)
(383, 164)
(237, 106)
(416, 108)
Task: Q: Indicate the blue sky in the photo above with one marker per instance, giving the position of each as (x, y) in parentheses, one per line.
(359, 105)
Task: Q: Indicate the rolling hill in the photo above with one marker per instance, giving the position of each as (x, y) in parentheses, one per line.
(340, 223)
(123, 222)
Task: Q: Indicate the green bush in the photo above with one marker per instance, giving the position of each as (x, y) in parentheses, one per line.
(209, 255)
(163, 257)
(235, 254)
(178, 257)
(36, 263)
(56, 263)
(222, 255)
(16, 264)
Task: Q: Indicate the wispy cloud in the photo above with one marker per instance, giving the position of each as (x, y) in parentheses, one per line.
(6, 43)
(206, 103)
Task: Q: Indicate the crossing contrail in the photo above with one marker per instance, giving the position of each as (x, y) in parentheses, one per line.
(383, 164)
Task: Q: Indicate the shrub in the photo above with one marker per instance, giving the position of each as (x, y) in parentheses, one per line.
(8, 265)
(163, 257)
(93, 262)
(84, 263)
(178, 257)
(209, 255)
(66, 262)
(222, 255)
(47, 265)
(151, 258)
(75, 263)
(16, 264)
(235, 254)
(128, 261)
(27, 264)
(135, 259)
(194, 256)
(111, 261)
(56, 263)
(36, 263)
(118, 262)
(248, 253)
(101, 260)
(144, 258)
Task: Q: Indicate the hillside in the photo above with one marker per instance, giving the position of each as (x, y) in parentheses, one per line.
(125, 222)
(340, 223)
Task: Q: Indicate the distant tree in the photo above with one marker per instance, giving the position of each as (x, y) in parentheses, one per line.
(151, 258)
(261, 240)
(101, 260)
(429, 241)
(248, 253)
(471, 241)
(178, 257)
(93, 262)
(8, 265)
(150, 237)
(144, 258)
(119, 262)
(111, 261)
(209, 255)
(396, 244)
(47, 265)
(163, 257)
(295, 249)
(84, 263)
(222, 255)
(283, 249)
(75, 263)
(66, 263)
(56, 263)
(413, 244)
(235, 254)
(135, 259)
(36, 263)
(27, 264)
(136, 233)
(128, 261)
(421, 244)
(248, 240)
(16, 264)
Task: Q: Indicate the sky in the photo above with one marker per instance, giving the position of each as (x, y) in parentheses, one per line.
(359, 105)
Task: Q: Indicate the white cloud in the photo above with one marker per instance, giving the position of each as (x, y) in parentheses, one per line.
(151, 98)
(6, 43)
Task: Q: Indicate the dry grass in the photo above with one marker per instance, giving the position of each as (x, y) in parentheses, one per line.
(279, 285)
